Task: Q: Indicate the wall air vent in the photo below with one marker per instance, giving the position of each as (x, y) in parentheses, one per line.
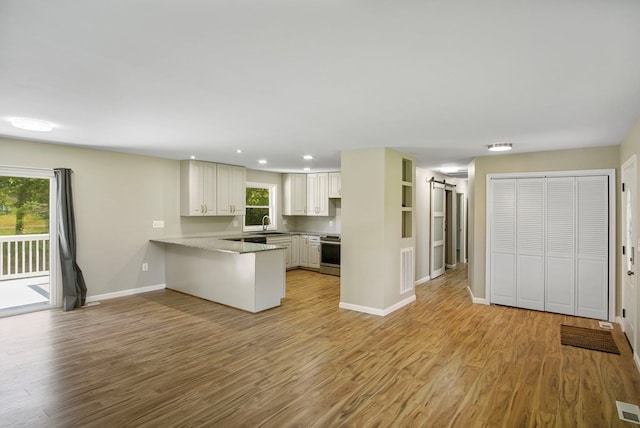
(406, 269)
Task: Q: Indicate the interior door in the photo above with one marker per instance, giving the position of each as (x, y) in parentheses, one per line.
(560, 266)
(438, 200)
(503, 220)
(530, 244)
(592, 247)
(629, 287)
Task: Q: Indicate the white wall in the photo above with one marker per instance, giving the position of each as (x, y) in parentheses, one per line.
(372, 234)
(328, 225)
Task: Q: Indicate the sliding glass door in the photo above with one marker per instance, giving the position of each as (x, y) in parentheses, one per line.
(28, 243)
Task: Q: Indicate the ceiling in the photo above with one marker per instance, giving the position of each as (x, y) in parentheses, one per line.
(279, 79)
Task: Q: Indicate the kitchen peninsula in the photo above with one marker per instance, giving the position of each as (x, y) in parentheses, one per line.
(243, 275)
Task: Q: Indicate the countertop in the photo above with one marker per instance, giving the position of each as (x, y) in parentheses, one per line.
(218, 244)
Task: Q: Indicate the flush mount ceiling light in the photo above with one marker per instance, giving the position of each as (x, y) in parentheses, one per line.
(500, 147)
(31, 124)
(307, 169)
(307, 157)
(262, 161)
(449, 170)
(239, 151)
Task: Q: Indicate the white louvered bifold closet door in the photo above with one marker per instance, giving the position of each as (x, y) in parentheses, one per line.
(530, 244)
(503, 242)
(560, 248)
(550, 244)
(592, 251)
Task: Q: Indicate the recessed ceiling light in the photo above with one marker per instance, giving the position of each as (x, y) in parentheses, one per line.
(307, 169)
(500, 147)
(239, 151)
(262, 161)
(307, 157)
(32, 124)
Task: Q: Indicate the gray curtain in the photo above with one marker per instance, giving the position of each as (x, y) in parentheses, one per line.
(74, 289)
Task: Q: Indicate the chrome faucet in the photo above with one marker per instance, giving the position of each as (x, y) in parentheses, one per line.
(264, 226)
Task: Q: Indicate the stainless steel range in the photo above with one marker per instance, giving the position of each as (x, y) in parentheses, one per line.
(330, 254)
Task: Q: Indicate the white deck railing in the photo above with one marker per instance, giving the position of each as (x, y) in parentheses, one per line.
(22, 256)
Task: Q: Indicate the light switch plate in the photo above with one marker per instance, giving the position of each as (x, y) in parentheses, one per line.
(158, 224)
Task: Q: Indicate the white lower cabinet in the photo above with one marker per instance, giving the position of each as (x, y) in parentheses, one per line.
(295, 250)
(310, 251)
(304, 250)
(301, 250)
(314, 252)
(283, 241)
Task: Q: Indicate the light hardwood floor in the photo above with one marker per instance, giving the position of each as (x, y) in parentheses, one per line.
(166, 359)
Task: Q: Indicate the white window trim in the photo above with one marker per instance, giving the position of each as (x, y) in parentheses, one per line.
(273, 198)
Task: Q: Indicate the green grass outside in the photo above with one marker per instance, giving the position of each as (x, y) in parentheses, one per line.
(32, 225)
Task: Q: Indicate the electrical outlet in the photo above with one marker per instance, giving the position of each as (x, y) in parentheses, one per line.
(158, 224)
(284, 221)
(330, 223)
(145, 267)
(235, 223)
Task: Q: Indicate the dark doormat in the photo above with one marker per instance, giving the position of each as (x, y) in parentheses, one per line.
(588, 338)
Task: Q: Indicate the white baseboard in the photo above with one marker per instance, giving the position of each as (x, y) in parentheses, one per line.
(422, 280)
(477, 300)
(450, 266)
(636, 358)
(123, 293)
(376, 311)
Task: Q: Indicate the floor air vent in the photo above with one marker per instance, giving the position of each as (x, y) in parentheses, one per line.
(406, 269)
(628, 412)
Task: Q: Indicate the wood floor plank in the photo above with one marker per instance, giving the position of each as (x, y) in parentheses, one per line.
(167, 359)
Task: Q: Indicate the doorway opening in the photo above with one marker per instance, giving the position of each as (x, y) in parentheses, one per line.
(27, 243)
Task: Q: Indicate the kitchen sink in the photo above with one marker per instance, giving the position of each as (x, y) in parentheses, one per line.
(272, 233)
(250, 239)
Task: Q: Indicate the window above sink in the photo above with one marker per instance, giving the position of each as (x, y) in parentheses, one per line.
(260, 208)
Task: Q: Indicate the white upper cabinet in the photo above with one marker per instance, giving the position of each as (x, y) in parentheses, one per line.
(295, 194)
(318, 194)
(335, 190)
(197, 188)
(230, 190)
